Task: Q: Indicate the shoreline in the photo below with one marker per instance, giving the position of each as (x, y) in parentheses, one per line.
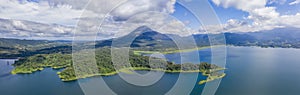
(139, 52)
(204, 47)
(125, 70)
(211, 78)
(264, 47)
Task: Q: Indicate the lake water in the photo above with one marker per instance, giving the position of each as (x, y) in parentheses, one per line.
(251, 71)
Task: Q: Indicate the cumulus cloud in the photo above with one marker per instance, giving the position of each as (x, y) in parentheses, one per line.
(133, 7)
(39, 12)
(67, 13)
(234, 25)
(277, 2)
(291, 20)
(162, 23)
(262, 17)
(294, 2)
(25, 29)
(245, 5)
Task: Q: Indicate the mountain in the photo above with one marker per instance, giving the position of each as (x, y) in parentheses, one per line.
(290, 34)
(280, 37)
(144, 38)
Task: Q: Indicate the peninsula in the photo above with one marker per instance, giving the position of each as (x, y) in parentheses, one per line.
(104, 65)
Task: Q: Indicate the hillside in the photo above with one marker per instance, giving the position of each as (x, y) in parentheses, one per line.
(13, 48)
(144, 38)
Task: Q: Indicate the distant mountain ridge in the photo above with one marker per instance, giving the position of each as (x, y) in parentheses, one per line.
(144, 38)
(12, 48)
(280, 37)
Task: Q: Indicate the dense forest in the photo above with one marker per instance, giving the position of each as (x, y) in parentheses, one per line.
(104, 65)
(41, 61)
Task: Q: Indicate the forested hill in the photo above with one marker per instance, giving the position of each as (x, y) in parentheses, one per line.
(144, 38)
(12, 48)
(18, 43)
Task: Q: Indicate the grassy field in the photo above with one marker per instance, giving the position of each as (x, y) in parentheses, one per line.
(138, 52)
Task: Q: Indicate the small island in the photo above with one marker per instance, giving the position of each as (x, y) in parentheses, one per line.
(105, 66)
(212, 77)
(172, 50)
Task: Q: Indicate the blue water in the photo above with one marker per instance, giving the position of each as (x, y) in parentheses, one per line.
(251, 71)
(40, 83)
(261, 71)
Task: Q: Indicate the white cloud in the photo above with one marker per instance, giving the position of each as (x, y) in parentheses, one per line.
(39, 12)
(261, 16)
(65, 11)
(121, 8)
(294, 2)
(245, 5)
(27, 29)
(263, 13)
(162, 23)
(291, 20)
(133, 7)
(281, 2)
(68, 12)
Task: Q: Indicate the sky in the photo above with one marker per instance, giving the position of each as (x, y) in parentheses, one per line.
(60, 19)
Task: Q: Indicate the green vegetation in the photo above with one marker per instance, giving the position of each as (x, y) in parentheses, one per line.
(212, 77)
(170, 51)
(41, 61)
(105, 66)
(15, 48)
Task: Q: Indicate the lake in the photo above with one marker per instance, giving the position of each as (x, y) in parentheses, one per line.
(251, 71)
